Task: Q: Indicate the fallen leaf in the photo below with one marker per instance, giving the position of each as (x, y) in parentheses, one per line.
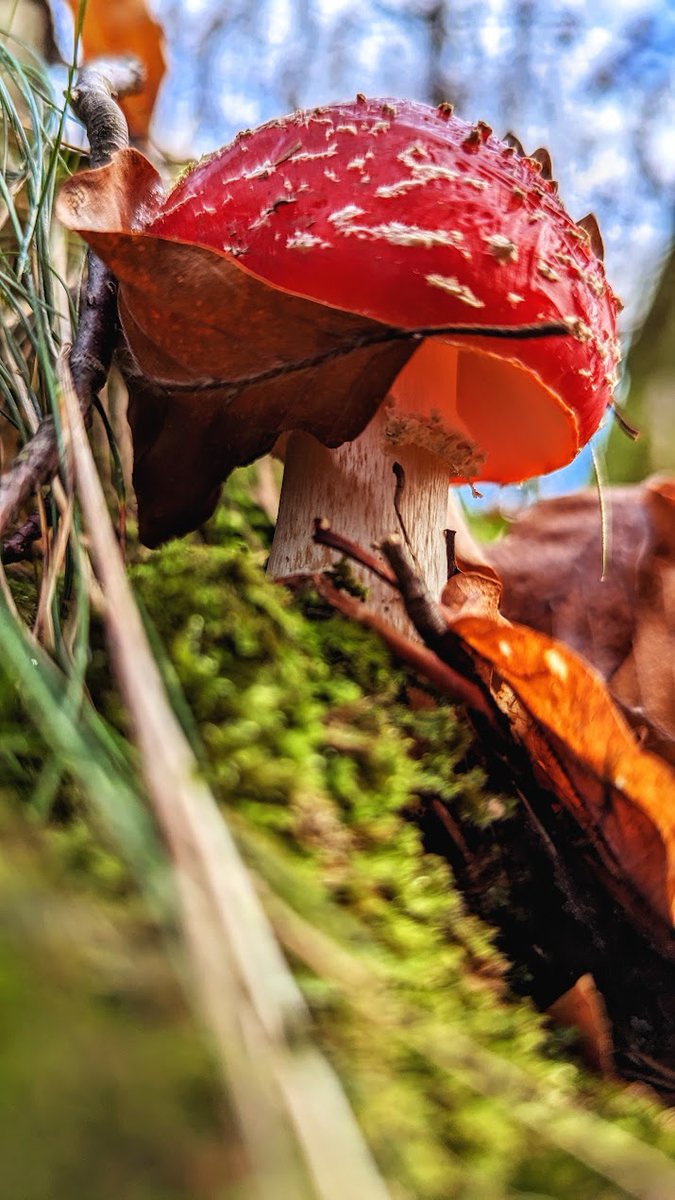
(645, 682)
(550, 563)
(592, 843)
(583, 1008)
(559, 710)
(195, 382)
(624, 624)
(543, 701)
(473, 593)
(126, 27)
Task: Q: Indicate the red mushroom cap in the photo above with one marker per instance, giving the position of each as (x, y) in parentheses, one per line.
(403, 213)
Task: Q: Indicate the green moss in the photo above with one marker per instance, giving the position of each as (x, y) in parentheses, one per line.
(304, 729)
(107, 1089)
(23, 588)
(311, 746)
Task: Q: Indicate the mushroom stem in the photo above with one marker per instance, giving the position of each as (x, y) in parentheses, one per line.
(354, 487)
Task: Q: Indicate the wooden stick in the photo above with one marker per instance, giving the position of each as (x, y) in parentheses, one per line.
(91, 355)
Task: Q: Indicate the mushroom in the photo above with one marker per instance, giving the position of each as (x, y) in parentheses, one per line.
(412, 220)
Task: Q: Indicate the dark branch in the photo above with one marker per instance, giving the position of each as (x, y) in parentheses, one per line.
(325, 536)
(441, 659)
(93, 100)
(399, 474)
(19, 546)
(424, 612)
(452, 568)
(624, 425)
(91, 355)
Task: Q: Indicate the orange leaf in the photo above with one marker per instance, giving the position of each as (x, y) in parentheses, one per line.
(115, 27)
(197, 385)
(558, 708)
(583, 1008)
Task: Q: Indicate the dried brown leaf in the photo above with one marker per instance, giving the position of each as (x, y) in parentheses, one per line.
(472, 593)
(550, 563)
(624, 623)
(583, 1008)
(645, 681)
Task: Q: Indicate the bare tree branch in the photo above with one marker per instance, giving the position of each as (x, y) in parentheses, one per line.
(93, 100)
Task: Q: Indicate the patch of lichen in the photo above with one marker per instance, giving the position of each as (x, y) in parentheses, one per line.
(310, 744)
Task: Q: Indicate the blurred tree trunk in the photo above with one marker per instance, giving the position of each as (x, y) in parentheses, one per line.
(651, 399)
(30, 22)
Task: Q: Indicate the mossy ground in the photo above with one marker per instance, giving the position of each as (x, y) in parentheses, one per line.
(304, 729)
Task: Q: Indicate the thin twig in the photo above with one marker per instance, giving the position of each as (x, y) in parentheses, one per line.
(450, 536)
(451, 826)
(399, 474)
(97, 331)
(429, 660)
(430, 621)
(324, 535)
(415, 655)
(19, 546)
(424, 612)
(623, 422)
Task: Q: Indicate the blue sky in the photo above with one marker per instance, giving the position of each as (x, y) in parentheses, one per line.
(598, 86)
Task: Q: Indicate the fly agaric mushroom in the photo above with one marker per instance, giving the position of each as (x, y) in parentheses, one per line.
(403, 215)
